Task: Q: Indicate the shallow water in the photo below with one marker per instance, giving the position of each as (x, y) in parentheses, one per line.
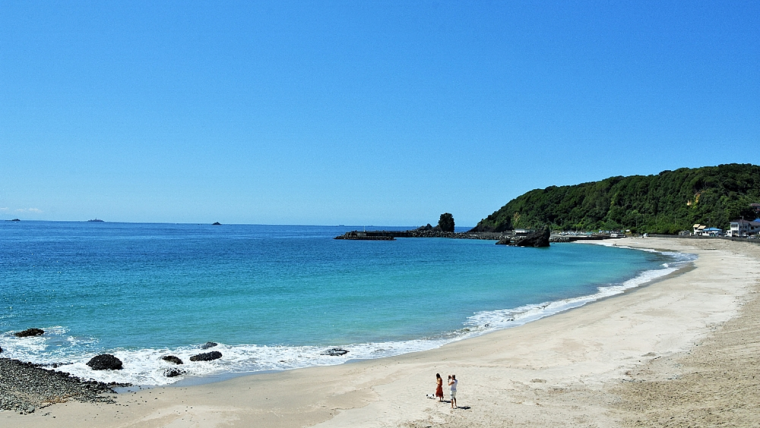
(275, 297)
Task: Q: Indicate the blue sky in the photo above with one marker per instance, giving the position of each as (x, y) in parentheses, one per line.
(384, 113)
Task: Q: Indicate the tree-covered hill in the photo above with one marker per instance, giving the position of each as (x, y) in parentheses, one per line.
(665, 203)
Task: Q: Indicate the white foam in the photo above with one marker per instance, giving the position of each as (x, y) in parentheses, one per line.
(145, 366)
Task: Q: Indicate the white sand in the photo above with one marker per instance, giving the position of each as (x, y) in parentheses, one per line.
(557, 371)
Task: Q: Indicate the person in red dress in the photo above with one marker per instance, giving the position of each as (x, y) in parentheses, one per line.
(439, 387)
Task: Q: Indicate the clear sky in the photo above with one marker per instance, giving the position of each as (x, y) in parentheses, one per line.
(359, 112)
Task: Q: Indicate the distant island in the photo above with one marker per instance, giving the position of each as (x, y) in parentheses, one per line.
(95, 220)
(15, 219)
(216, 223)
(666, 203)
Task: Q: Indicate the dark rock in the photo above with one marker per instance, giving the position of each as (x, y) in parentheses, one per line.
(426, 227)
(172, 359)
(216, 223)
(208, 356)
(30, 332)
(105, 362)
(173, 372)
(208, 345)
(1, 350)
(335, 352)
(537, 239)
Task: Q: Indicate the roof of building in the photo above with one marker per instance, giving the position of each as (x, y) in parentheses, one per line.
(755, 222)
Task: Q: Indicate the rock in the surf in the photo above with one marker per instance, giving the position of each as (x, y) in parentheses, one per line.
(208, 345)
(335, 352)
(172, 359)
(173, 372)
(105, 362)
(208, 356)
(30, 332)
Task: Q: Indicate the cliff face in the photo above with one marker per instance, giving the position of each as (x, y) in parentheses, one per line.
(665, 203)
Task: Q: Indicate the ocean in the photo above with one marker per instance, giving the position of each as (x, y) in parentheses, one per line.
(277, 297)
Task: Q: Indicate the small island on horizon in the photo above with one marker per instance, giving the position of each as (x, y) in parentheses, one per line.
(95, 220)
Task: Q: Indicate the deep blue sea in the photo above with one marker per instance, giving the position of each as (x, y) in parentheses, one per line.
(276, 297)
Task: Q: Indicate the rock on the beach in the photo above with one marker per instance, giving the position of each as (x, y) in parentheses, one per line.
(173, 372)
(335, 352)
(30, 332)
(208, 345)
(208, 356)
(172, 359)
(105, 362)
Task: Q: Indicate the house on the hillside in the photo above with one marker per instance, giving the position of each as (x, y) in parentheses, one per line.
(744, 228)
(698, 229)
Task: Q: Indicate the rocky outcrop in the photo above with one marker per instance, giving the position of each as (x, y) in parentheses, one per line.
(208, 345)
(172, 359)
(536, 239)
(208, 356)
(216, 223)
(335, 352)
(173, 372)
(105, 362)
(30, 332)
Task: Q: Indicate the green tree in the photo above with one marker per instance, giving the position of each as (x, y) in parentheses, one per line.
(446, 222)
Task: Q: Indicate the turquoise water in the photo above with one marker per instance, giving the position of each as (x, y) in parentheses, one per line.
(275, 297)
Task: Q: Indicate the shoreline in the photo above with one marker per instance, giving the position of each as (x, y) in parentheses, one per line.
(503, 375)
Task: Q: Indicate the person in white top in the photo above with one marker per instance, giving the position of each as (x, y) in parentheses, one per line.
(453, 384)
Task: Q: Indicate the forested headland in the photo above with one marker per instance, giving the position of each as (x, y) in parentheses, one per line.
(668, 202)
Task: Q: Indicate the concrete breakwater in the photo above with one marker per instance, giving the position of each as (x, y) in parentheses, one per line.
(386, 235)
(376, 235)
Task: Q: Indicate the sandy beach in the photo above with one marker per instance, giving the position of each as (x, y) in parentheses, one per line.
(682, 351)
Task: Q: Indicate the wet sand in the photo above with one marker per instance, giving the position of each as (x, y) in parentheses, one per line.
(679, 352)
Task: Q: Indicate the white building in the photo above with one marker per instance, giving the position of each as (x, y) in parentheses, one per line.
(744, 227)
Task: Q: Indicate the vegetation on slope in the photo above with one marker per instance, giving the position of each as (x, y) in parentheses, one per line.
(665, 203)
